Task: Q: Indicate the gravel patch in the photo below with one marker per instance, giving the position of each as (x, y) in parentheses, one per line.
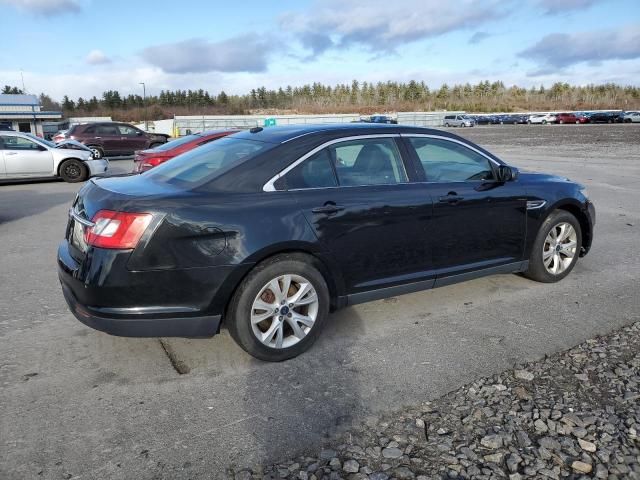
(573, 415)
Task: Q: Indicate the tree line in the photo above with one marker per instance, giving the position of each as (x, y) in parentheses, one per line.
(355, 97)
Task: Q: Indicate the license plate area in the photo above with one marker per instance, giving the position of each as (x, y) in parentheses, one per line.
(76, 237)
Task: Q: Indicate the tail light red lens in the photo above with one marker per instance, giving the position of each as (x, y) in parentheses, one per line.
(151, 162)
(119, 230)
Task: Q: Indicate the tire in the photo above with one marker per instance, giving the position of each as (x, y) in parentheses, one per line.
(96, 151)
(544, 122)
(256, 289)
(446, 125)
(529, 122)
(537, 270)
(561, 122)
(73, 171)
(154, 145)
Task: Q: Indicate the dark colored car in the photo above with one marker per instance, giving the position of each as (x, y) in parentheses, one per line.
(486, 120)
(513, 119)
(147, 159)
(111, 138)
(269, 230)
(604, 117)
(567, 118)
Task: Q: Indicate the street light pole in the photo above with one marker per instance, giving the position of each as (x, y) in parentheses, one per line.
(144, 104)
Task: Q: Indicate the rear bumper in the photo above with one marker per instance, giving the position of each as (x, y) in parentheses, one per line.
(104, 295)
(134, 324)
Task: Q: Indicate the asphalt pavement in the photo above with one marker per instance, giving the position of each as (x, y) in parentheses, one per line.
(77, 403)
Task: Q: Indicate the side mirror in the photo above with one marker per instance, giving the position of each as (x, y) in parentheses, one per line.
(139, 133)
(507, 173)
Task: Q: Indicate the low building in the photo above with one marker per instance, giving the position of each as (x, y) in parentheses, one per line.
(23, 113)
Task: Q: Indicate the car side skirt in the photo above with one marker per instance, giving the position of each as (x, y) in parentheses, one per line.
(378, 294)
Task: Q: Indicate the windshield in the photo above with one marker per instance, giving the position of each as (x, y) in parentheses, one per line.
(41, 140)
(176, 143)
(198, 166)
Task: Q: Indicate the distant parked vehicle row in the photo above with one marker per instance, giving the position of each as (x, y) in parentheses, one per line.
(550, 117)
(111, 138)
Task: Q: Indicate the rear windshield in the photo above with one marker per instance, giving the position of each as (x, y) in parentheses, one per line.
(201, 165)
(176, 143)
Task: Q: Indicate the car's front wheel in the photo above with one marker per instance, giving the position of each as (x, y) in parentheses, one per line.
(556, 248)
(73, 171)
(280, 308)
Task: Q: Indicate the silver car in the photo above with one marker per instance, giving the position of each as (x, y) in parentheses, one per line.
(23, 155)
(458, 121)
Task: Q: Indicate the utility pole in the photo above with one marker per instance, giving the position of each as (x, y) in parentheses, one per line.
(144, 104)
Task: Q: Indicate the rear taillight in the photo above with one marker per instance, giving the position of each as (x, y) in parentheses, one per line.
(121, 230)
(147, 163)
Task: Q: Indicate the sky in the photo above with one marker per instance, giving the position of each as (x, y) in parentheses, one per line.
(84, 47)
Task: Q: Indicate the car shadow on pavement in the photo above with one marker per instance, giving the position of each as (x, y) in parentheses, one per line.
(18, 204)
(305, 401)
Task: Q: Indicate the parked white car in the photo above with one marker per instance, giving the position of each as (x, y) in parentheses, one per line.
(23, 155)
(631, 117)
(542, 118)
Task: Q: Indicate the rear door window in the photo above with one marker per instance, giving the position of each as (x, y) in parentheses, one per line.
(107, 130)
(362, 162)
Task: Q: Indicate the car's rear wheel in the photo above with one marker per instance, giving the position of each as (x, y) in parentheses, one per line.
(96, 151)
(544, 122)
(556, 248)
(446, 124)
(73, 171)
(280, 308)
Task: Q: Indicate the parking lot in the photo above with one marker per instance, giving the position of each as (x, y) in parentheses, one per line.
(77, 403)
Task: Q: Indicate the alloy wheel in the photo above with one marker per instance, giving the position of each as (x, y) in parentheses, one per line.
(284, 311)
(72, 171)
(560, 247)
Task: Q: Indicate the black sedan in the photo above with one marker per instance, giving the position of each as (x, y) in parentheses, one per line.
(269, 230)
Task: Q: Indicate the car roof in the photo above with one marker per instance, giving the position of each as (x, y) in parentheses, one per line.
(286, 133)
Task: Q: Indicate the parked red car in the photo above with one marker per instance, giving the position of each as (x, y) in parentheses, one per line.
(147, 159)
(566, 118)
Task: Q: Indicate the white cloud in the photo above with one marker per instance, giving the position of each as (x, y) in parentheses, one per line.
(383, 26)
(97, 57)
(560, 50)
(245, 53)
(44, 7)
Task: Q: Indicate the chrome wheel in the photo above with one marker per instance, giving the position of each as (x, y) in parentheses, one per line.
(559, 248)
(95, 152)
(284, 311)
(72, 171)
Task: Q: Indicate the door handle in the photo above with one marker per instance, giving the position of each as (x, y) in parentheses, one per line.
(328, 208)
(451, 197)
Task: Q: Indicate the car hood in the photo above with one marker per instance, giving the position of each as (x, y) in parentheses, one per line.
(540, 176)
(73, 145)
